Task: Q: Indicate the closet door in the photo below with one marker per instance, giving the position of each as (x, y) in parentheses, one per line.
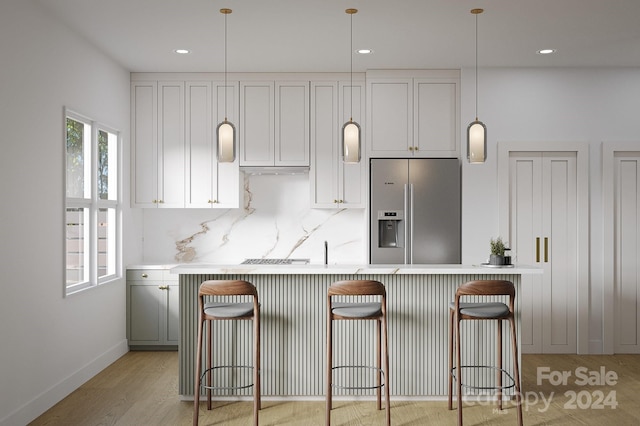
(626, 252)
(543, 232)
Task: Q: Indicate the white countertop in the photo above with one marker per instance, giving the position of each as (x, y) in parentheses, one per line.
(316, 269)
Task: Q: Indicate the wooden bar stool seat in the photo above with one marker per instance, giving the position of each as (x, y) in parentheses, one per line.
(214, 310)
(497, 311)
(373, 311)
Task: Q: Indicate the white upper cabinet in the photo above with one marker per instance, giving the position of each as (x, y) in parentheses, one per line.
(335, 184)
(209, 183)
(157, 129)
(274, 117)
(413, 113)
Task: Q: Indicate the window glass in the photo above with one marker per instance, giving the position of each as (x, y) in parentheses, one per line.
(78, 138)
(92, 203)
(77, 239)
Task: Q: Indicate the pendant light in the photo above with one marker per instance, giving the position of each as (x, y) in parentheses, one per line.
(477, 131)
(351, 129)
(226, 132)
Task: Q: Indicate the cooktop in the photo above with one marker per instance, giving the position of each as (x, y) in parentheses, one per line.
(275, 262)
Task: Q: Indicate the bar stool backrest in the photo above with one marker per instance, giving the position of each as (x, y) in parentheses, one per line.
(487, 288)
(357, 288)
(227, 288)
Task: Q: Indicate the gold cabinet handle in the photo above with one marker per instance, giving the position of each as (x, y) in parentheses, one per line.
(144, 275)
(161, 201)
(546, 249)
(163, 287)
(537, 249)
(335, 201)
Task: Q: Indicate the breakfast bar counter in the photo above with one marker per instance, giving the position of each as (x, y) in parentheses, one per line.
(293, 322)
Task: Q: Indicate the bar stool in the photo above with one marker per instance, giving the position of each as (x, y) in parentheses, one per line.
(226, 311)
(371, 311)
(497, 311)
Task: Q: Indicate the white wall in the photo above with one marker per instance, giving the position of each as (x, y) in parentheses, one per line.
(574, 105)
(49, 344)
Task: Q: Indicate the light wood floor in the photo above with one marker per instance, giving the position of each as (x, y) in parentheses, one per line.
(141, 389)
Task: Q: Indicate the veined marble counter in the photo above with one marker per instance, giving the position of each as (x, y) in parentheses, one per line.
(293, 323)
(314, 269)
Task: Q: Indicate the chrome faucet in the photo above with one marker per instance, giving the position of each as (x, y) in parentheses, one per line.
(326, 253)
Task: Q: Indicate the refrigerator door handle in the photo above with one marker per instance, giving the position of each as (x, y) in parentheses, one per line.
(410, 244)
(407, 224)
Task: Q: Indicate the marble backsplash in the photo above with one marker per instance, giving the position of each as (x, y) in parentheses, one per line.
(274, 222)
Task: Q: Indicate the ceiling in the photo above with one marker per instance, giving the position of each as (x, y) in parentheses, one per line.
(314, 35)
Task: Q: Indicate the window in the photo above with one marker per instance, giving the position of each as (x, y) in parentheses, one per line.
(92, 215)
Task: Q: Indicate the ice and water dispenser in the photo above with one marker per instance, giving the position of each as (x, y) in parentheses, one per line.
(390, 228)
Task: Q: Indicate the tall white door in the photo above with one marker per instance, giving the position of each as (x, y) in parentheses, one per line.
(543, 231)
(626, 273)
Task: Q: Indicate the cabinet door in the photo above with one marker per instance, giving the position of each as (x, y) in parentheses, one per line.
(390, 117)
(146, 307)
(209, 183)
(435, 119)
(200, 146)
(226, 182)
(351, 177)
(256, 124)
(171, 176)
(144, 147)
(544, 233)
(292, 124)
(323, 173)
(171, 317)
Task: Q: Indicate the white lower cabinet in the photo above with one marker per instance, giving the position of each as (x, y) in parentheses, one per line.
(152, 309)
(335, 184)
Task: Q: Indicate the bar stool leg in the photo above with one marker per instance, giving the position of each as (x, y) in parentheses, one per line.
(196, 390)
(499, 371)
(516, 369)
(379, 365)
(256, 368)
(450, 394)
(329, 365)
(387, 386)
(458, 370)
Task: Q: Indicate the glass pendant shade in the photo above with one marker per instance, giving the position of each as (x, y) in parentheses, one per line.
(476, 142)
(351, 142)
(226, 142)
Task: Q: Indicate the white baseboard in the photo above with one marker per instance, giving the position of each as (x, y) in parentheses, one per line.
(56, 393)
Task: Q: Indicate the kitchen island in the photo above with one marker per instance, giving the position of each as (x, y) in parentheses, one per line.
(293, 321)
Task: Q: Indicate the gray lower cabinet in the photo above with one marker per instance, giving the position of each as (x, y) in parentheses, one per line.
(152, 309)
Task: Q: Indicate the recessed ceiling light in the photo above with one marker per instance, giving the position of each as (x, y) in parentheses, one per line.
(546, 51)
(182, 51)
(364, 51)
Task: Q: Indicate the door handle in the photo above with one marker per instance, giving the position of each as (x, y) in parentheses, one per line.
(546, 249)
(537, 249)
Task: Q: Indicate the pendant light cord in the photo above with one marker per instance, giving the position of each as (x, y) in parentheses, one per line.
(476, 67)
(225, 66)
(351, 70)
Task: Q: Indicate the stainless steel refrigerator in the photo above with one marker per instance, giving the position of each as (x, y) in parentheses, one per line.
(414, 209)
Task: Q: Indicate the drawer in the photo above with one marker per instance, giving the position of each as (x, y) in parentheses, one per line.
(145, 275)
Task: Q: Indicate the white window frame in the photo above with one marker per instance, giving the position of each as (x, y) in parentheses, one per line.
(93, 205)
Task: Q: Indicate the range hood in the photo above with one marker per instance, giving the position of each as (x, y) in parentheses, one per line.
(273, 170)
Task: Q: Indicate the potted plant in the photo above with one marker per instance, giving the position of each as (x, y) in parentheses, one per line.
(497, 252)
